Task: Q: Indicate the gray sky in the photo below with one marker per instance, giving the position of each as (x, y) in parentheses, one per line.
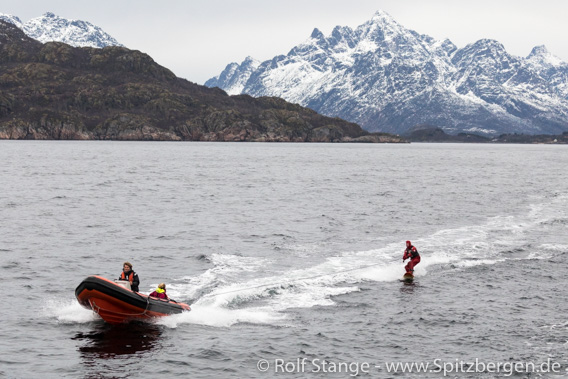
(196, 39)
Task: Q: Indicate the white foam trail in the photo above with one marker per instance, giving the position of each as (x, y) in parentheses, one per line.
(554, 247)
(68, 311)
(480, 262)
(306, 296)
(312, 286)
(540, 255)
(222, 317)
(227, 268)
(233, 280)
(195, 284)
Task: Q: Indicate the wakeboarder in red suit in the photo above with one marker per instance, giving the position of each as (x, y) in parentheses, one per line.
(411, 253)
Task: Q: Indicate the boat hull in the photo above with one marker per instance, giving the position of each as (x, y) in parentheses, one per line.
(116, 304)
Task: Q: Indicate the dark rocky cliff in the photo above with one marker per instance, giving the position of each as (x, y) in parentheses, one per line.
(55, 91)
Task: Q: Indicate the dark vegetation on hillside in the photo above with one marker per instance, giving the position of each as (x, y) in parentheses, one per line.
(56, 91)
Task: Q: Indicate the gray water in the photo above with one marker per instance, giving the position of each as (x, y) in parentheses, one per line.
(290, 254)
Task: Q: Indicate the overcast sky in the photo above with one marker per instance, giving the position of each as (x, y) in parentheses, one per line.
(196, 39)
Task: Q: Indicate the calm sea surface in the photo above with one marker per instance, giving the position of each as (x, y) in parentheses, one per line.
(290, 255)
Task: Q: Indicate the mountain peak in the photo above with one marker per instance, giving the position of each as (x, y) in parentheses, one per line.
(317, 34)
(381, 16)
(485, 47)
(541, 55)
(489, 42)
(11, 19)
(383, 20)
(249, 59)
(538, 50)
(382, 27)
(50, 27)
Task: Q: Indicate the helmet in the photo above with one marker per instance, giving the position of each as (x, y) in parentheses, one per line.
(408, 243)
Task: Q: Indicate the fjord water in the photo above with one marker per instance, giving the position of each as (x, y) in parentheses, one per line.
(284, 251)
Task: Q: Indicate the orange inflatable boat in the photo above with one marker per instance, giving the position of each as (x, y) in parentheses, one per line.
(116, 303)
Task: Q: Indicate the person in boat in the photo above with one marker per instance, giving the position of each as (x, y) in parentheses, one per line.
(131, 276)
(160, 292)
(412, 254)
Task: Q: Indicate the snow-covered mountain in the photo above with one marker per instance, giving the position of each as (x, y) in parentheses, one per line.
(50, 27)
(388, 78)
(235, 76)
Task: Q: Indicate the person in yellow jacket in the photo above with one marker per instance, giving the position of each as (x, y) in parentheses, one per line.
(160, 292)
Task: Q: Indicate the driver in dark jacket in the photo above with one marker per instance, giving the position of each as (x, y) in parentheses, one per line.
(131, 276)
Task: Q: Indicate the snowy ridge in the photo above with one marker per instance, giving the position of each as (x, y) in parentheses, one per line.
(50, 27)
(235, 76)
(12, 20)
(389, 78)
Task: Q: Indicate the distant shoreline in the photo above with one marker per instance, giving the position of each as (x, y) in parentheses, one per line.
(437, 135)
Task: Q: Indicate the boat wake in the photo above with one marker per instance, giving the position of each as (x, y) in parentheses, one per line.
(68, 311)
(222, 317)
(268, 292)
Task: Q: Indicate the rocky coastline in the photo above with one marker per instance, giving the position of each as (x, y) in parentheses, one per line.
(54, 91)
(437, 135)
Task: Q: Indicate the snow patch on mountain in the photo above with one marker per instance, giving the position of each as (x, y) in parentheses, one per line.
(235, 76)
(12, 20)
(51, 27)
